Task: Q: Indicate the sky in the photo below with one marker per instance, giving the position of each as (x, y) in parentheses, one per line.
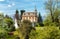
(9, 6)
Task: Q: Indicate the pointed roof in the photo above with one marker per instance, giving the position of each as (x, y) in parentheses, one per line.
(35, 9)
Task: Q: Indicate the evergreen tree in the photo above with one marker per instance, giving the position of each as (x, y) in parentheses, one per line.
(17, 14)
(22, 11)
(40, 20)
(6, 16)
(17, 17)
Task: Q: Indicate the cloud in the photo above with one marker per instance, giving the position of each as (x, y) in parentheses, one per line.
(9, 5)
(13, 4)
(2, 0)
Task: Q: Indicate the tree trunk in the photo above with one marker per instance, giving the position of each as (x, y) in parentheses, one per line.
(27, 37)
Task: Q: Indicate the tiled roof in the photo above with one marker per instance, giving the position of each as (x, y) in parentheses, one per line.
(29, 13)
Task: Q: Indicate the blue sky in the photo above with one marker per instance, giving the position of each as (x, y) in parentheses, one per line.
(9, 6)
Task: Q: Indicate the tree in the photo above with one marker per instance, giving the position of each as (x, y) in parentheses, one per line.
(9, 24)
(6, 16)
(56, 16)
(1, 19)
(22, 11)
(49, 32)
(40, 20)
(8, 21)
(17, 15)
(48, 22)
(25, 29)
(51, 6)
(6, 25)
(2, 32)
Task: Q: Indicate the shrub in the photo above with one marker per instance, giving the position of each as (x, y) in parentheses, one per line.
(49, 32)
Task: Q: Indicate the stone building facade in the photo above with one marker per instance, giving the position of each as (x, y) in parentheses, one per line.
(31, 16)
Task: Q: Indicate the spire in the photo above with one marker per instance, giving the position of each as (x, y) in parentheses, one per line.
(35, 9)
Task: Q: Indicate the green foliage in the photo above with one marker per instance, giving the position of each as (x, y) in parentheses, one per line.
(56, 16)
(8, 21)
(4, 34)
(9, 24)
(40, 20)
(48, 21)
(34, 35)
(6, 25)
(1, 19)
(37, 25)
(50, 32)
(2, 30)
(54, 13)
(25, 28)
